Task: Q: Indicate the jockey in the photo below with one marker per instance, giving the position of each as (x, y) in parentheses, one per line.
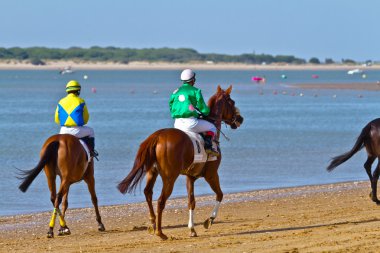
(72, 115)
(187, 105)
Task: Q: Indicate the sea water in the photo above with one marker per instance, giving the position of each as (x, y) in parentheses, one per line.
(287, 139)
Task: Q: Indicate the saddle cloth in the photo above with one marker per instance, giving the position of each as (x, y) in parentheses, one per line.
(87, 152)
(200, 155)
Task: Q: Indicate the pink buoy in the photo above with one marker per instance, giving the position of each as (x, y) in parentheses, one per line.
(314, 76)
(256, 79)
(93, 90)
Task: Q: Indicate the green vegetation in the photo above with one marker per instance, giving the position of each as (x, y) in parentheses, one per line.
(38, 55)
(348, 61)
(314, 60)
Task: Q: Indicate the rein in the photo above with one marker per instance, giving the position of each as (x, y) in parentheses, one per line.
(217, 121)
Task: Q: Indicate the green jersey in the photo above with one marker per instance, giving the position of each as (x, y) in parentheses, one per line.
(184, 100)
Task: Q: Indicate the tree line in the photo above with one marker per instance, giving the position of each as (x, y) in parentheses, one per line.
(38, 55)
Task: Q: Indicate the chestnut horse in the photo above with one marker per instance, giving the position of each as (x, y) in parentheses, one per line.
(63, 155)
(169, 153)
(370, 139)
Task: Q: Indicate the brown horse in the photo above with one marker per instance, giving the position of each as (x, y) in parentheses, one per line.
(63, 155)
(169, 153)
(370, 139)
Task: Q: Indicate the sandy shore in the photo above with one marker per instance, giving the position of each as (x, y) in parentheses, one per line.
(324, 218)
(77, 65)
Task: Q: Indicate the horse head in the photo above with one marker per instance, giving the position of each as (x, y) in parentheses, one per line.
(223, 109)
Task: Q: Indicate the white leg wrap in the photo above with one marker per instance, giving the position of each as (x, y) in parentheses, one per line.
(191, 219)
(216, 209)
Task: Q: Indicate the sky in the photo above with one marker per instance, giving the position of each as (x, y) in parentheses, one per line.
(337, 29)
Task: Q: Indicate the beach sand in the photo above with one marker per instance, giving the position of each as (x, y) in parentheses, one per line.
(323, 218)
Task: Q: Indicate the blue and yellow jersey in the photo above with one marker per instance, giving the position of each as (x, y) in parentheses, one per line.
(71, 111)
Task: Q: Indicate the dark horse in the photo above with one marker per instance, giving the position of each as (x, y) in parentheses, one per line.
(63, 155)
(169, 153)
(370, 139)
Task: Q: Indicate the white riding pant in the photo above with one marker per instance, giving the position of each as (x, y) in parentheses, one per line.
(194, 125)
(78, 131)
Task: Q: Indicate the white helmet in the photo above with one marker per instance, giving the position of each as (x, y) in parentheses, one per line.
(187, 75)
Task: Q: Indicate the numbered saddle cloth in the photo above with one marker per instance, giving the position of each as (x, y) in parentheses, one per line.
(200, 155)
(85, 147)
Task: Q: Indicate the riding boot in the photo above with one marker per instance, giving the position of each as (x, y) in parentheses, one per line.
(93, 152)
(208, 146)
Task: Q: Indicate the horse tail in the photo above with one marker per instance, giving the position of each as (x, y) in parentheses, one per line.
(29, 175)
(145, 158)
(359, 144)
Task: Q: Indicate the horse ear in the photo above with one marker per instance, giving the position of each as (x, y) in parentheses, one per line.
(228, 91)
(218, 89)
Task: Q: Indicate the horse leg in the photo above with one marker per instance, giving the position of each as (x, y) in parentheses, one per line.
(165, 194)
(367, 167)
(50, 176)
(63, 191)
(57, 202)
(213, 181)
(151, 177)
(191, 204)
(375, 178)
(90, 181)
(64, 230)
(53, 190)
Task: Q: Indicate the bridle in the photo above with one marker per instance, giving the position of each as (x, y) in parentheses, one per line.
(234, 118)
(218, 119)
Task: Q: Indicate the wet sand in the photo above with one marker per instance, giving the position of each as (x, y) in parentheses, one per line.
(323, 218)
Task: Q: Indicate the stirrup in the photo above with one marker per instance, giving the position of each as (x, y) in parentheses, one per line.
(94, 154)
(212, 152)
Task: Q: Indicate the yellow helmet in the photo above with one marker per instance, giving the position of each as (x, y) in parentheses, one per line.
(72, 86)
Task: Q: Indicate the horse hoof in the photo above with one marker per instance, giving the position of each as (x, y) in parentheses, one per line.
(193, 233)
(101, 228)
(162, 236)
(208, 223)
(374, 199)
(64, 231)
(151, 229)
(50, 235)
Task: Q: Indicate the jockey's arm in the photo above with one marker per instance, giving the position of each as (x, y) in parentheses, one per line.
(56, 117)
(86, 115)
(201, 105)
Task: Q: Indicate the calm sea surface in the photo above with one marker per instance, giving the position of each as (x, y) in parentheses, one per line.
(287, 139)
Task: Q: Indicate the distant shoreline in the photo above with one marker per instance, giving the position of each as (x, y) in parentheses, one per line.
(370, 86)
(58, 65)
